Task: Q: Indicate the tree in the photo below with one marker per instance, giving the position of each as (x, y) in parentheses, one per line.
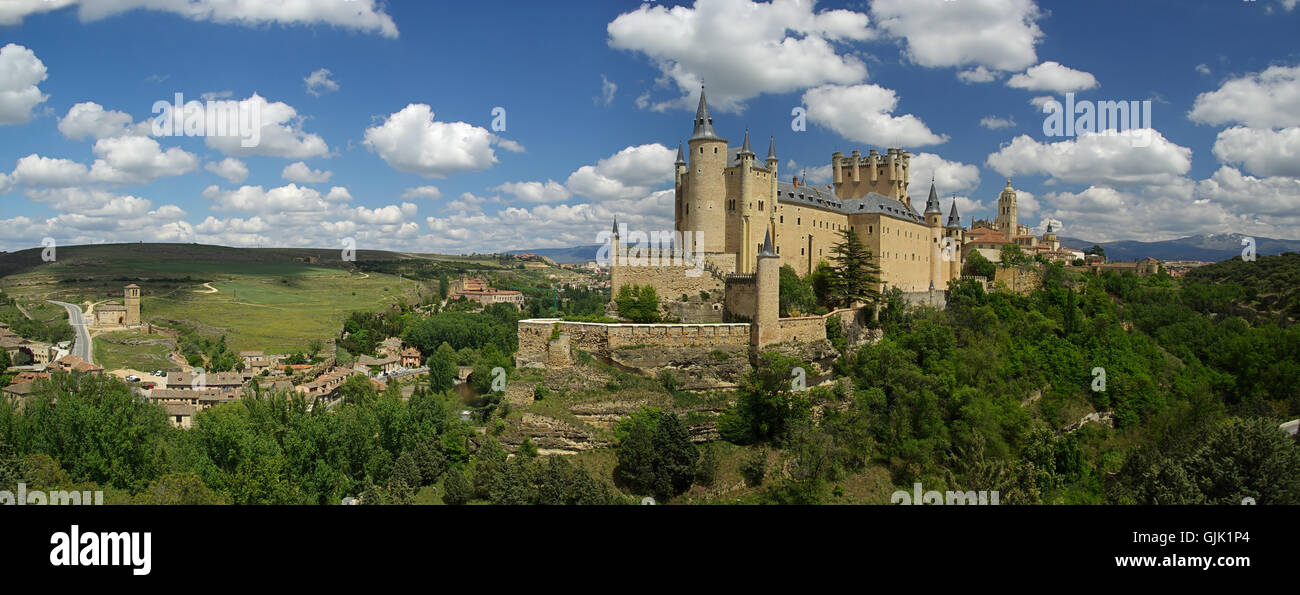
(178, 489)
(443, 287)
(314, 346)
(977, 265)
(455, 488)
(1012, 255)
(406, 471)
(442, 368)
(1097, 250)
(676, 456)
(769, 402)
(710, 465)
(855, 275)
(638, 303)
(796, 295)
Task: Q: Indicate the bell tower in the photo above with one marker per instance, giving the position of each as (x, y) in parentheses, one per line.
(1007, 222)
(131, 298)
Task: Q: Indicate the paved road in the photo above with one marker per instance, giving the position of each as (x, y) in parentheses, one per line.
(81, 347)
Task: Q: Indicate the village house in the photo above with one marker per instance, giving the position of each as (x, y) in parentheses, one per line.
(325, 385)
(181, 416)
(383, 365)
(226, 382)
(411, 358)
(477, 290)
(72, 363)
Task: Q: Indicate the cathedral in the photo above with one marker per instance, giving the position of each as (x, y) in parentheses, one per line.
(731, 202)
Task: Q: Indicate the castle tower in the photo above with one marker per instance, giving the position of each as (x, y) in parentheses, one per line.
(1051, 240)
(679, 172)
(766, 328)
(934, 220)
(1006, 221)
(131, 298)
(954, 230)
(771, 192)
(747, 251)
(704, 211)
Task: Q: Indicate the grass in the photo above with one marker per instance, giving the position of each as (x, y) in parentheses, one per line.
(133, 349)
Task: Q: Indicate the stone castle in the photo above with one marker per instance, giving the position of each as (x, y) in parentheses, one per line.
(115, 314)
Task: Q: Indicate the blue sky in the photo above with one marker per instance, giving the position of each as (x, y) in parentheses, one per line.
(598, 94)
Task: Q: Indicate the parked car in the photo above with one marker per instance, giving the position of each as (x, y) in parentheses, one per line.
(147, 386)
(133, 378)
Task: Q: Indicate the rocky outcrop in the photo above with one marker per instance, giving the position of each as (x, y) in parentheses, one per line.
(695, 368)
(553, 436)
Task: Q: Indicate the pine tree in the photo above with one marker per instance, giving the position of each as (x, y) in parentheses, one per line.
(455, 489)
(855, 274)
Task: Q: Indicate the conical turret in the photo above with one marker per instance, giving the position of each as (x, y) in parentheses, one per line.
(703, 121)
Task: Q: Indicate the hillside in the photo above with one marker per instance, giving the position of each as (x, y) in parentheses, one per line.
(1211, 247)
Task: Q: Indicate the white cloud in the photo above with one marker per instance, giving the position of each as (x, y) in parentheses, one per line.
(632, 172)
(817, 174)
(1278, 196)
(1052, 76)
(290, 198)
(429, 192)
(138, 160)
(995, 34)
(20, 72)
(412, 141)
(1203, 69)
(1261, 151)
(299, 172)
(1103, 159)
(1040, 101)
(233, 170)
(992, 122)
(89, 119)
(319, 82)
(280, 135)
(979, 74)
(949, 176)
(863, 113)
(607, 90)
(361, 15)
(741, 48)
(1270, 99)
(549, 191)
(35, 170)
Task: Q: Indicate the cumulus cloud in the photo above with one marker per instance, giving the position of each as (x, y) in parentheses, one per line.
(299, 172)
(1052, 76)
(742, 48)
(1261, 151)
(360, 15)
(864, 113)
(290, 198)
(138, 160)
(35, 170)
(995, 34)
(1109, 159)
(948, 176)
(89, 119)
(1236, 191)
(979, 74)
(412, 141)
(280, 134)
(549, 191)
(631, 173)
(1269, 99)
(20, 72)
(233, 170)
(319, 82)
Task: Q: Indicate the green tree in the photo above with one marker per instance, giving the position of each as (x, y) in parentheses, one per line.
(769, 402)
(977, 265)
(638, 303)
(455, 488)
(796, 295)
(185, 489)
(1012, 255)
(855, 274)
(442, 368)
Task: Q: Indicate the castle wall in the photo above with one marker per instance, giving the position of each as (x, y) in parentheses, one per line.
(670, 282)
(804, 329)
(741, 297)
(537, 349)
(1022, 280)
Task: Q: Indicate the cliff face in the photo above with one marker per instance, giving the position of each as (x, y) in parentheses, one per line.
(695, 368)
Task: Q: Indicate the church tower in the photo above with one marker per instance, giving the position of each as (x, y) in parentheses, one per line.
(1007, 222)
(131, 298)
(704, 210)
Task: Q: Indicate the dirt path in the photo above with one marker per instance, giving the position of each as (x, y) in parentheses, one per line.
(210, 289)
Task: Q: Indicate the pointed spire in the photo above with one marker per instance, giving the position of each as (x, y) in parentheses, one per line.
(681, 159)
(616, 225)
(932, 204)
(703, 121)
(1049, 227)
(767, 246)
(771, 149)
(954, 219)
(744, 147)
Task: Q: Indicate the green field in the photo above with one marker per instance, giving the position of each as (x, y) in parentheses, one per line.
(133, 349)
(278, 313)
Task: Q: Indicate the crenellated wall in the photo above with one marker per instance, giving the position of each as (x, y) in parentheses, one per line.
(600, 339)
(804, 329)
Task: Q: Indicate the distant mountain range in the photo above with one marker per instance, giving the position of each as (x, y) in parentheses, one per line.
(1210, 247)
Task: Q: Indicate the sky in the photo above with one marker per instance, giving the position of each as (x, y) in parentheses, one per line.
(461, 127)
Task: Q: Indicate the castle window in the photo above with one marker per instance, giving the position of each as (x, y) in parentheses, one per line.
(715, 150)
(701, 150)
(782, 218)
(798, 220)
(801, 252)
(760, 205)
